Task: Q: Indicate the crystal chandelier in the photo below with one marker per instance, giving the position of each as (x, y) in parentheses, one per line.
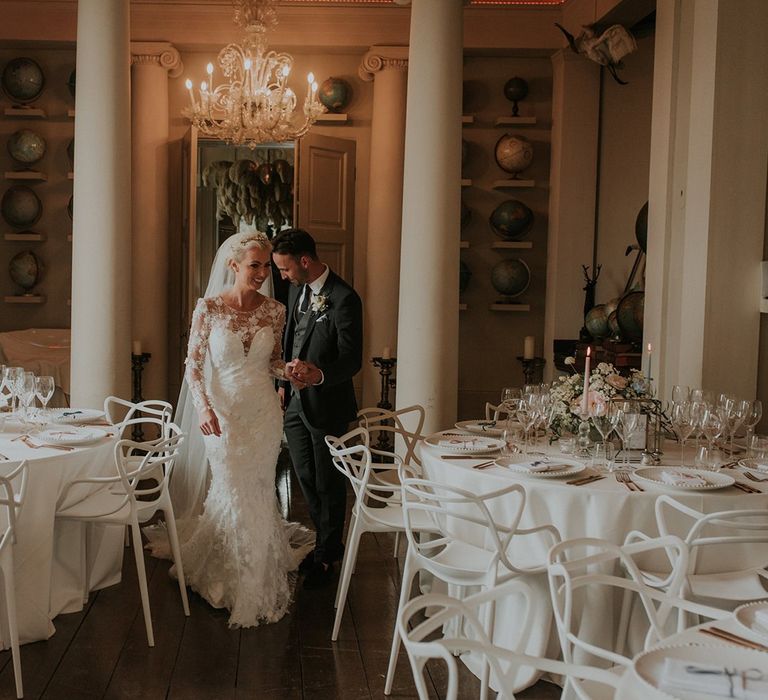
(253, 104)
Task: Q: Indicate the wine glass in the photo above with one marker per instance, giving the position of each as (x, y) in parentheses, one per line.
(682, 422)
(26, 389)
(509, 396)
(626, 426)
(12, 375)
(44, 388)
(698, 411)
(712, 425)
(526, 417)
(604, 418)
(754, 414)
(680, 393)
(735, 418)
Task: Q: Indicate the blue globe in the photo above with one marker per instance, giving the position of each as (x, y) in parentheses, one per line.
(511, 220)
(334, 93)
(511, 277)
(22, 80)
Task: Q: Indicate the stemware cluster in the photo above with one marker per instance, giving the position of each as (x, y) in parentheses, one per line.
(530, 407)
(19, 389)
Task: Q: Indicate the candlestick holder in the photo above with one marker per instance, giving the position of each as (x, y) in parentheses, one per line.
(533, 369)
(385, 365)
(583, 442)
(137, 369)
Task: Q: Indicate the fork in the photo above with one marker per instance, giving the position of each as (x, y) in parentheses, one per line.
(26, 441)
(624, 478)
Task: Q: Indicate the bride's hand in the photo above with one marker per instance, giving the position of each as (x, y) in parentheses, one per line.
(209, 423)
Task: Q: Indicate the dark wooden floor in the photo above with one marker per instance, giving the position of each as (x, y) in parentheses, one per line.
(102, 651)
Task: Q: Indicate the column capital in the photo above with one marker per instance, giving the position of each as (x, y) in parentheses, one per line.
(157, 53)
(379, 58)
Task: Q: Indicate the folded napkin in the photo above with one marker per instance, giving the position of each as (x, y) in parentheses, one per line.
(459, 442)
(682, 479)
(713, 680)
(535, 467)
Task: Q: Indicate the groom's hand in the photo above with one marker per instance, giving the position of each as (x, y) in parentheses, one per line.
(310, 374)
(294, 373)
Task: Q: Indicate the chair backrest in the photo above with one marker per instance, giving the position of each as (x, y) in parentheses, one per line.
(119, 411)
(460, 515)
(13, 489)
(426, 615)
(352, 457)
(404, 424)
(588, 576)
(713, 538)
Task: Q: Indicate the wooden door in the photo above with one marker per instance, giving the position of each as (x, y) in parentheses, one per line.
(325, 198)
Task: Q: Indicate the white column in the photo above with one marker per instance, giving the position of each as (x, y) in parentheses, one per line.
(573, 176)
(101, 246)
(387, 67)
(428, 321)
(151, 65)
(709, 154)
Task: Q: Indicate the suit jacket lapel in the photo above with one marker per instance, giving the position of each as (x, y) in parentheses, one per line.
(326, 292)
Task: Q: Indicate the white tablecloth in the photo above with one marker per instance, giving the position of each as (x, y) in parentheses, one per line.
(47, 554)
(604, 509)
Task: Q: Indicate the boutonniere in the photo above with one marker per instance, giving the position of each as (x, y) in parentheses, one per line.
(319, 303)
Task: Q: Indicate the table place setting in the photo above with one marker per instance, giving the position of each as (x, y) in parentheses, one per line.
(681, 479)
(541, 468)
(482, 427)
(464, 444)
(78, 416)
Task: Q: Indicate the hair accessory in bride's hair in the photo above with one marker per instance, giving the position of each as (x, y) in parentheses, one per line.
(240, 241)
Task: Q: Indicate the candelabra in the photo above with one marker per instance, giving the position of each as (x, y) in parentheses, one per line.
(386, 365)
(532, 369)
(137, 369)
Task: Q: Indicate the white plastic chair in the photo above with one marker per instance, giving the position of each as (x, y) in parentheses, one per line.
(462, 519)
(427, 614)
(122, 413)
(124, 500)
(580, 570)
(370, 483)
(13, 488)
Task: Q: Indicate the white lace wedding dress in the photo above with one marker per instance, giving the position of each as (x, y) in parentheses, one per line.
(239, 555)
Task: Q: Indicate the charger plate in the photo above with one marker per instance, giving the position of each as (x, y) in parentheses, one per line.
(481, 427)
(517, 465)
(464, 444)
(651, 476)
(70, 436)
(745, 616)
(74, 416)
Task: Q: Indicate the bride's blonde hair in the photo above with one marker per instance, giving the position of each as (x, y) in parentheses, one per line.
(241, 242)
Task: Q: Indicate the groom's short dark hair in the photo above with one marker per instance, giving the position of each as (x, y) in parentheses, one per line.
(295, 242)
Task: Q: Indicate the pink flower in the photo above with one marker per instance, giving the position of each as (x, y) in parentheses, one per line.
(616, 381)
(594, 399)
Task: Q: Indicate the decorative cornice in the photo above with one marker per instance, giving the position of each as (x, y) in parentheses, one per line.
(381, 58)
(157, 53)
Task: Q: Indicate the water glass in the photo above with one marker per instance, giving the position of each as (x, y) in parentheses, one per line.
(511, 436)
(603, 457)
(707, 458)
(567, 444)
(44, 388)
(758, 447)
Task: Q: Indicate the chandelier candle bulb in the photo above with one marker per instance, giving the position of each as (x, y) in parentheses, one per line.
(529, 347)
(585, 391)
(188, 83)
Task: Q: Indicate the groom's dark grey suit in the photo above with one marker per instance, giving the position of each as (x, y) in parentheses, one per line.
(332, 339)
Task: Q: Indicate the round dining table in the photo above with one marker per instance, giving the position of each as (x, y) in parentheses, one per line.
(605, 508)
(47, 553)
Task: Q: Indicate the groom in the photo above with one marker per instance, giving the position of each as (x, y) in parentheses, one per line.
(323, 348)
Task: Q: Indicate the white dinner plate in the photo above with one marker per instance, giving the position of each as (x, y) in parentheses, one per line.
(558, 467)
(70, 436)
(745, 616)
(651, 476)
(750, 463)
(75, 416)
(647, 667)
(464, 444)
(482, 427)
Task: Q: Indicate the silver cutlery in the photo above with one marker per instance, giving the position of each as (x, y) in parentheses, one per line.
(733, 638)
(752, 477)
(483, 465)
(626, 479)
(585, 480)
(27, 442)
(746, 488)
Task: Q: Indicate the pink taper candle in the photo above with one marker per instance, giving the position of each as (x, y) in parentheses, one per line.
(585, 391)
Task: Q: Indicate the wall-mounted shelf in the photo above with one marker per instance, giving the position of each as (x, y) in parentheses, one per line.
(505, 245)
(29, 237)
(468, 119)
(499, 306)
(25, 175)
(511, 183)
(466, 182)
(70, 175)
(71, 113)
(462, 307)
(25, 299)
(332, 117)
(463, 244)
(515, 121)
(25, 112)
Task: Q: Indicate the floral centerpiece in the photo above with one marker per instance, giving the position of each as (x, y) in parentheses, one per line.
(605, 384)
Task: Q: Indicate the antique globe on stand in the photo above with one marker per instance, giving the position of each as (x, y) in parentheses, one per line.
(513, 153)
(20, 206)
(510, 277)
(22, 80)
(515, 89)
(26, 146)
(596, 321)
(629, 314)
(24, 270)
(511, 220)
(334, 93)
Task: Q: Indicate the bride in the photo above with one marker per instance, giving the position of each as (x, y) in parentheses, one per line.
(238, 554)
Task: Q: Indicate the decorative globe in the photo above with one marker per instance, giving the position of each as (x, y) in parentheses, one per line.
(26, 146)
(513, 153)
(630, 315)
(20, 206)
(464, 274)
(515, 89)
(613, 325)
(22, 80)
(70, 207)
(510, 277)
(641, 228)
(596, 322)
(611, 306)
(71, 152)
(466, 215)
(24, 269)
(511, 220)
(334, 93)
(71, 83)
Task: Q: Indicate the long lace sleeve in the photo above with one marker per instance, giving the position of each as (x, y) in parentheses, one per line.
(198, 347)
(276, 362)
